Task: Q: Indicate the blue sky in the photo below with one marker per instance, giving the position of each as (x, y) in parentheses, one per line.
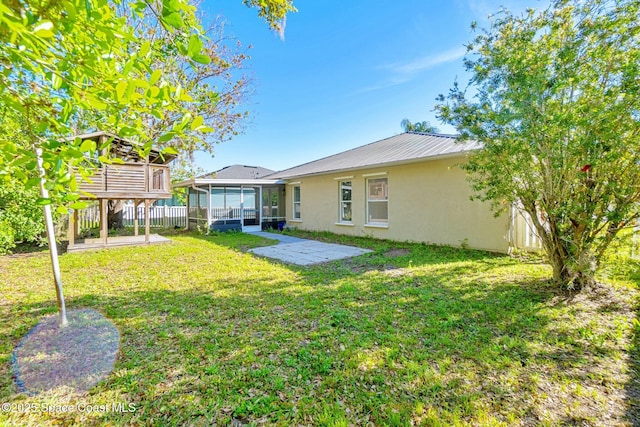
(346, 74)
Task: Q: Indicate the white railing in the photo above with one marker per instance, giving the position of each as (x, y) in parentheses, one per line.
(159, 216)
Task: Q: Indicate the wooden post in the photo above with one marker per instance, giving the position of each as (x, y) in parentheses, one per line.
(100, 215)
(146, 221)
(165, 222)
(167, 179)
(135, 217)
(76, 224)
(104, 213)
(147, 171)
(73, 219)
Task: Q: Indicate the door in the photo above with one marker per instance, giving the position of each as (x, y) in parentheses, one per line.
(250, 208)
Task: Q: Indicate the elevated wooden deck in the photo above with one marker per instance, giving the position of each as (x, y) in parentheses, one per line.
(129, 181)
(140, 177)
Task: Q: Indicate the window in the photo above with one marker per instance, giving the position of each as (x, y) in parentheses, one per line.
(377, 201)
(345, 201)
(296, 202)
(217, 203)
(270, 202)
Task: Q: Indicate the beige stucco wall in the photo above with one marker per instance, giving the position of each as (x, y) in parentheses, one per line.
(428, 202)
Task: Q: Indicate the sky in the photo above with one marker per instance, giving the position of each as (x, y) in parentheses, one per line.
(346, 74)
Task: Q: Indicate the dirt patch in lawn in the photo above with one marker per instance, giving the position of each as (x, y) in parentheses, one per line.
(395, 253)
(359, 266)
(76, 357)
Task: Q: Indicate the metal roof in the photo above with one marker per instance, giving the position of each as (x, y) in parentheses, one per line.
(403, 148)
(238, 172)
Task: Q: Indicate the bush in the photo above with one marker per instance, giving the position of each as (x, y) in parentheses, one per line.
(20, 215)
(6, 237)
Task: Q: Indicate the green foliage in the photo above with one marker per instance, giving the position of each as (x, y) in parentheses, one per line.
(60, 60)
(213, 84)
(423, 127)
(556, 103)
(6, 237)
(274, 11)
(80, 62)
(20, 212)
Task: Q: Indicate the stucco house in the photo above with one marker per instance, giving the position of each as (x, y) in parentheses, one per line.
(408, 187)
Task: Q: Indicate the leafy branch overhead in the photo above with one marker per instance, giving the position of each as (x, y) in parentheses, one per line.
(556, 103)
(217, 89)
(76, 63)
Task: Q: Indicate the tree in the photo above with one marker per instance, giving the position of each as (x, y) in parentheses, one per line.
(556, 103)
(217, 89)
(60, 61)
(64, 63)
(423, 127)
(21, 217)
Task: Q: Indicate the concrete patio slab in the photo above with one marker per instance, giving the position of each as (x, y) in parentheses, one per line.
(298, 251)
(283, 238)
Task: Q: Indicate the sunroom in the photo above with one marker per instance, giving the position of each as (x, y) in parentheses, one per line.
(223, 204)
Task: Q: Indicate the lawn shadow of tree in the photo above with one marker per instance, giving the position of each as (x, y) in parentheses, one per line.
(440, 339)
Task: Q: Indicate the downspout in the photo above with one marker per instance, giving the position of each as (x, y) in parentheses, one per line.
(208, 204)
(186, 212)
(513, 238)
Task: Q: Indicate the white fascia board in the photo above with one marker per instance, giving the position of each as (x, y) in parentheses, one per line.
(223, 182)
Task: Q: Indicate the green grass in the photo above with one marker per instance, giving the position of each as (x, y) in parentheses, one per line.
(407, 335)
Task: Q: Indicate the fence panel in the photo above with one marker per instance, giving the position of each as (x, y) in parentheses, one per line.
(89, 217)
(159, 216)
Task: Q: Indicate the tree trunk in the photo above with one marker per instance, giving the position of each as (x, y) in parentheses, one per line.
(558, 266)
(115, 214)
(573, 265)
(574, 271)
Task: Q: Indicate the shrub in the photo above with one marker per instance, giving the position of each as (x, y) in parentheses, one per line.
(20, 215)
(6, 237)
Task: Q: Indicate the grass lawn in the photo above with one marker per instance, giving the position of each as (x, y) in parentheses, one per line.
(407, 335)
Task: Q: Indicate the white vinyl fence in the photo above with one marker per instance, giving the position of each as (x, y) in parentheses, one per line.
(159, 216)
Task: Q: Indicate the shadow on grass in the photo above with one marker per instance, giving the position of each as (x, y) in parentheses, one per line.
(373, 349)
(632, 388)
(231, 239)
(435, 336)
(28, 248)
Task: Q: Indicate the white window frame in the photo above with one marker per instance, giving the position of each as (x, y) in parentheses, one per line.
(298, 202)
(383, 199)
(341, 218)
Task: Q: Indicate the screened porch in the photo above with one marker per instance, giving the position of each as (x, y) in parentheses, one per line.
(236, 207)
